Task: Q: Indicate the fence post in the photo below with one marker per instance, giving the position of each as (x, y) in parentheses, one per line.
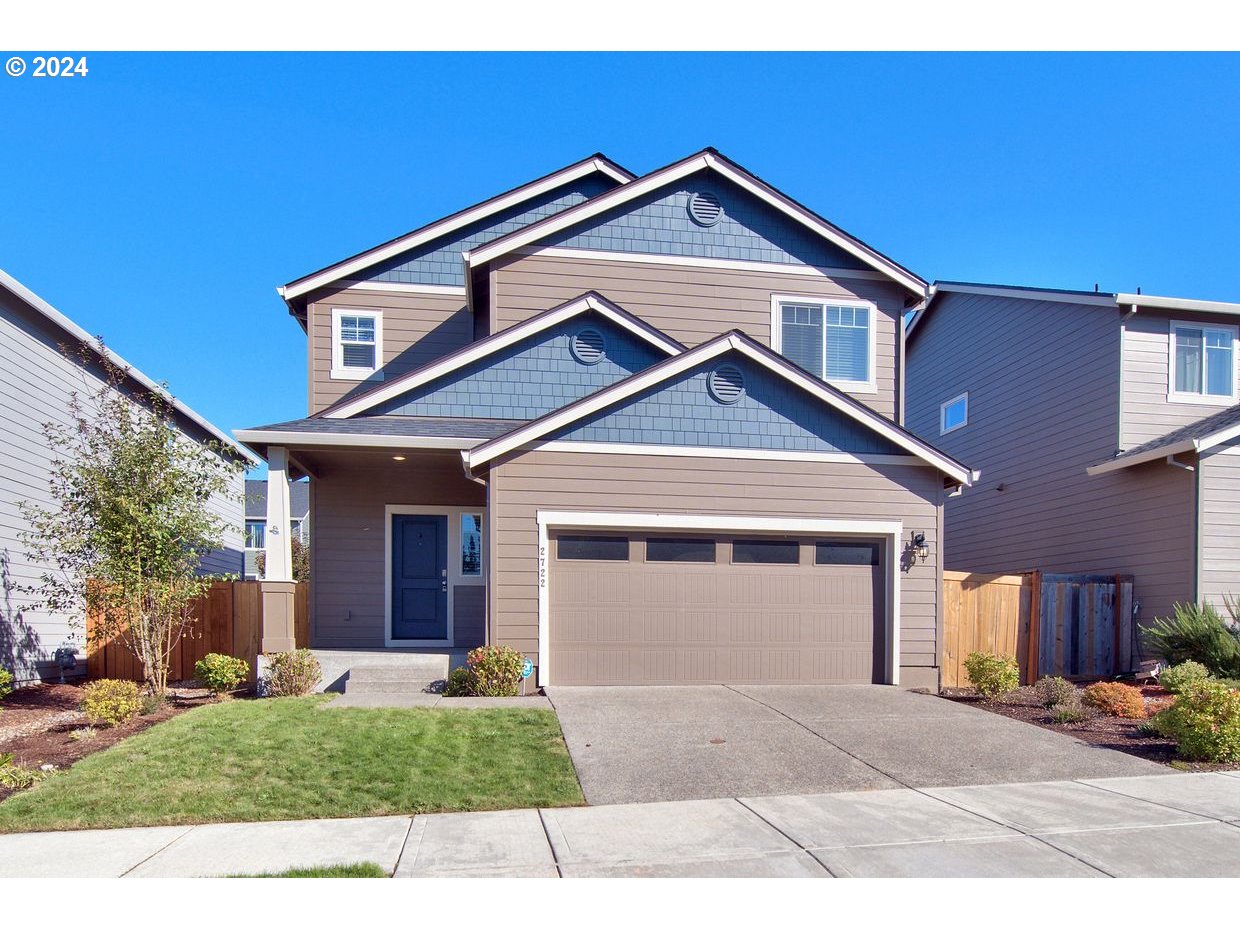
(1033, 654)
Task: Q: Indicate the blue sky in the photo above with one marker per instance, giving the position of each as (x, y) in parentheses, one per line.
(160, 199)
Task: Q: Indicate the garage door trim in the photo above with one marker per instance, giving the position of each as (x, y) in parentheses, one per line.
(890, 531)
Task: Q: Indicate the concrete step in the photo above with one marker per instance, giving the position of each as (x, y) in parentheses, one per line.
(341, 665)
(407, 686)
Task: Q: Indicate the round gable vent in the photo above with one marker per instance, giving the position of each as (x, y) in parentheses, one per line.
(705, 208)
(588, 347)
(726, 384)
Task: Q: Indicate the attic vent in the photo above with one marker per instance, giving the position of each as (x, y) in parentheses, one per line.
(705, 208)
(726, 384)
(588, 347)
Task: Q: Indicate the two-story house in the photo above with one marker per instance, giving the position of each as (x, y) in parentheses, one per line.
(646, 430)
(1105, 428)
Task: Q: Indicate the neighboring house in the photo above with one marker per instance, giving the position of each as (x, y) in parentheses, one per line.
(1104, 426)
(256, 520)
(36, 381)
(645, 430)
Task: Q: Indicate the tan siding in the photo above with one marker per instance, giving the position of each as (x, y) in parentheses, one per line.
(672, 484)
(1146, 378)
(1043, 383)
(1220, 525)
(693, 304)
(347, 540)
(417, 329)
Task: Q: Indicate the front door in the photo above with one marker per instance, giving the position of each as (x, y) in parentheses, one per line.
(419, 577)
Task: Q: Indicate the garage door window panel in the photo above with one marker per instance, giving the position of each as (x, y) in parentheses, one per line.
(765, 552)
(679, 549)
(845, 553)
(593, 548)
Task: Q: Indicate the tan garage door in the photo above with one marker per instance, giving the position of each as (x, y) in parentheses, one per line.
(646, 609)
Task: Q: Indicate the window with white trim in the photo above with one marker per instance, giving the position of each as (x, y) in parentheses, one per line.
(1202, 363)
(954, 413)
(357, 343)
(832, 340)
(255, 534)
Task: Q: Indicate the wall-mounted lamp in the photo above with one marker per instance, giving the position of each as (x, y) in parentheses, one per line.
(398, 458)
(920, 549)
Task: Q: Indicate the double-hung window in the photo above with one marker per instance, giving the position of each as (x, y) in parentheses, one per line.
(833, 340)
(255, 534)
(1202, 364)
(357, 343)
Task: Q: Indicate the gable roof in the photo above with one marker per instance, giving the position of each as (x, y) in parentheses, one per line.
(706, 159)
(597, 163)
(1052, 294)
(1199, 436)
(589, 301)
(65, 325)
(733, 341)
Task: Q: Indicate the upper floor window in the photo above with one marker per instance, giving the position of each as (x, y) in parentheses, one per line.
(830, 339)
(357, 343)
(1202, 364)
(954, 413)
(255, 534)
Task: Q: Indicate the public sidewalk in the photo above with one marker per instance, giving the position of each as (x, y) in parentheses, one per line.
(1162, 825)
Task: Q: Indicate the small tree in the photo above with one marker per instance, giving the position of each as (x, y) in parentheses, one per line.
(301, 560)
(130, 519)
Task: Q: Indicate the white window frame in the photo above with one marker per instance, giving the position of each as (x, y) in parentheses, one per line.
(943, 428)
(1183, 397)
(341, 372)
(246, 534)
(869, 386)
(455, 577)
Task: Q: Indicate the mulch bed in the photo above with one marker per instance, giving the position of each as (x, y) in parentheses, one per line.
(1101, 730)
(36, 724)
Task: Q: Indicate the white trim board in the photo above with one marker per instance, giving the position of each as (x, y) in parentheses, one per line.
(869, 386)
(308, 439)
(412, 240)
(400, 287)
(455, 578)
(708, 159)
(1151, 302)
(728, 342)
(691, 261)
(891, 531)
(498, 342)
(716, 452)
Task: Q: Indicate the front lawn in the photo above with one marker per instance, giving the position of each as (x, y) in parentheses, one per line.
(287, 759)
(357, 870)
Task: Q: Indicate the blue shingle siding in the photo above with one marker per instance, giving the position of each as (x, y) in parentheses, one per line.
(771, 414)
(750, 229)
(533, 377)
(439, 262)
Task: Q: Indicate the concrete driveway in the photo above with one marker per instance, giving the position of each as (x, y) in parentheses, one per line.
(685, 743)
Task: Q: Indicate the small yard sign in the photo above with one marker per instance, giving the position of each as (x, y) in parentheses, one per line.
(527, 669)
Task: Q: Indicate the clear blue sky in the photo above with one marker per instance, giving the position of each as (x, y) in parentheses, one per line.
(161, 199)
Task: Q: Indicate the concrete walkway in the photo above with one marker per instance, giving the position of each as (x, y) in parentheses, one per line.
(1165, 825)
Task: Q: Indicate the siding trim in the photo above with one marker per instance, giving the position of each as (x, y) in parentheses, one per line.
(777, 455)
(455, 578)
(402, 287)
(307, 439)
(891, 531)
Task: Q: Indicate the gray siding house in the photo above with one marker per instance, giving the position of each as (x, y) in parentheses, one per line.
(256, 520)
(645, 430)
(1104, 428)
(36, 380)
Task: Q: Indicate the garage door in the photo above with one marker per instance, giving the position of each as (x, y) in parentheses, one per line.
(644, 609)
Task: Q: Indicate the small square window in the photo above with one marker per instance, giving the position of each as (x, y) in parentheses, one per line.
(666, 549)
(593, 548)
(845, 553)
(954, 414)
(766, 551)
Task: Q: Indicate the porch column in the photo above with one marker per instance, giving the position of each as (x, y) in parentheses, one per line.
(278, 546)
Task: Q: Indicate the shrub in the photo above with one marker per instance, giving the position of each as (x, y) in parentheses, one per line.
(1197, 632)
(16, 776)
(6, 683)
(1055, 690)
(150, 704)
(992, 675)
(1205, 722)
(459, 683)
(220, 673)
(292, 674)
(1183, 677)
(83, 734)
(109, 702)
(1069, 711)
(495, 671)
(1116, 699)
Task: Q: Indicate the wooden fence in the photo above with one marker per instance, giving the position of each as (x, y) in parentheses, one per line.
(1076, 626)
(229, 620)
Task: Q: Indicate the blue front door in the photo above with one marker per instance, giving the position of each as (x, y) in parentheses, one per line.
(419, 577)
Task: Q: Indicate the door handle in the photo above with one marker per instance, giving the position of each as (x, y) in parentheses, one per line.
(444, 581)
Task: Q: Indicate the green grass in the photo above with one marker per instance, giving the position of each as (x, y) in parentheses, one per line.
(356, 870)
(286, 759)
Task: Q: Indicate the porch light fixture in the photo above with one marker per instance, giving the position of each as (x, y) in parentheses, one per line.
(398, 458)
(920, 549)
